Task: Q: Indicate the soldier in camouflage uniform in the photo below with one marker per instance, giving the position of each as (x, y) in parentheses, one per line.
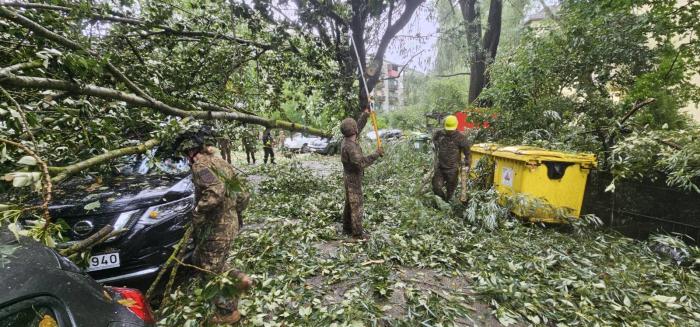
(250, 143)
(354, 164)
(268, 142)
(448, 145)
(214, 219)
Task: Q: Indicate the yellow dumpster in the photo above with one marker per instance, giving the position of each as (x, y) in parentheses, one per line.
(482, 149)
(557, 177)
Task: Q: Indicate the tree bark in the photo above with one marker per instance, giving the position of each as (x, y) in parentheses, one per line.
(492, 36)
(482, 52)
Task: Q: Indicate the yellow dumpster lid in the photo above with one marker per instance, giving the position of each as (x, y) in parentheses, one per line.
(529, 153)
(486, 148)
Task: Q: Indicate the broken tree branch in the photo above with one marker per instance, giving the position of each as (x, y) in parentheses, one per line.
(22, 115)
(41, 30)
(135, 100)
(637, 105)
(88, 242)
(21, 66)
(176, 252)
(669, 143)
(109, 155)
(45, 177)
(132, 21)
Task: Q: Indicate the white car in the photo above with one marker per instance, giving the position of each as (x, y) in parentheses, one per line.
(301, 143)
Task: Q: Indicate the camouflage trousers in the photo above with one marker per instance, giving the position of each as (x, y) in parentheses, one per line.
(212, 248)
(250, 154)
(242, 200)
(445, 178)
(353, 212)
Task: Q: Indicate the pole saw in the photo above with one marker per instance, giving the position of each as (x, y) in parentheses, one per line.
(372, 114)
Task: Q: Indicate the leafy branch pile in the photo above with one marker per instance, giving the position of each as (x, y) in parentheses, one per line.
(674, 152)
(429, 266)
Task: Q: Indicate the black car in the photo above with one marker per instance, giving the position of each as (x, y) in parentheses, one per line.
(38, 287)
(151, 200)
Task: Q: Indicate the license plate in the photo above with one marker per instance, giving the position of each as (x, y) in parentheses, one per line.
(103, 261)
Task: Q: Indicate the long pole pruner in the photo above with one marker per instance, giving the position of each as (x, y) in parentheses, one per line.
(372, 114)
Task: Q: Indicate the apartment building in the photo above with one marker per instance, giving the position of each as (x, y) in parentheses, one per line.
(389, 91)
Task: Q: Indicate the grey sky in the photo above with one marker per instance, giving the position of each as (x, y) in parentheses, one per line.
(406, 45)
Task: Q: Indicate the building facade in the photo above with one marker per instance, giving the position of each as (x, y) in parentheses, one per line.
(389, 91)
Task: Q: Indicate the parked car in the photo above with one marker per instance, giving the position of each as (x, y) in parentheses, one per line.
(385, 134)
(151, 200)
(301, 143)
(38, 287)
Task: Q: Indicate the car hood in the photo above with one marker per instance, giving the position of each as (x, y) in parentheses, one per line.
(118, 194)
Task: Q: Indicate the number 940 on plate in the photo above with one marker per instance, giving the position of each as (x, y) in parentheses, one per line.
(103, 261)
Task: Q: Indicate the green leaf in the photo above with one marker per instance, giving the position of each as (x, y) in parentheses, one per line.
(27, 161)
(305, 311)
(92, 206)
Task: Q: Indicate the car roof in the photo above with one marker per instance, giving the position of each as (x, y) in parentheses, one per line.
(25, 249)
(28, 269)
(19, 259)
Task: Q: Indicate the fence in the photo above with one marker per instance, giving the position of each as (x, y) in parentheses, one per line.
(638, 209)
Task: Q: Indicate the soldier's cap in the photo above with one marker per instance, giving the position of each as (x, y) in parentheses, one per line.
(348, 127)
(195, 137)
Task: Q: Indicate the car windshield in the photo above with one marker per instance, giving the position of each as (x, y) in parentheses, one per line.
(142, 164)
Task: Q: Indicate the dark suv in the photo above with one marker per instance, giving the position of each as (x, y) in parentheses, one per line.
(151, 200)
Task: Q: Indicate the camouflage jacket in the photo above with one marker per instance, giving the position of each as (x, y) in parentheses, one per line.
(354, 162)
(448, 145)
(250, 140)
(214, 215)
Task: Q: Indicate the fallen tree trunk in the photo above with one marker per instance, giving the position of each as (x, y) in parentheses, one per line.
(27, 82)
(96, 160)
(88, 242)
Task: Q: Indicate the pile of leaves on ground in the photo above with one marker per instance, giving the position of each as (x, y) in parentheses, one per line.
(431, 263)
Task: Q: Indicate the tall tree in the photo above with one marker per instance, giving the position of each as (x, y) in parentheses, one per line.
(482, 50)
(359, 17)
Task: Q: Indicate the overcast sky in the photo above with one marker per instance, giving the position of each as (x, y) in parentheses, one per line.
(419, 39)
(406, 45)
